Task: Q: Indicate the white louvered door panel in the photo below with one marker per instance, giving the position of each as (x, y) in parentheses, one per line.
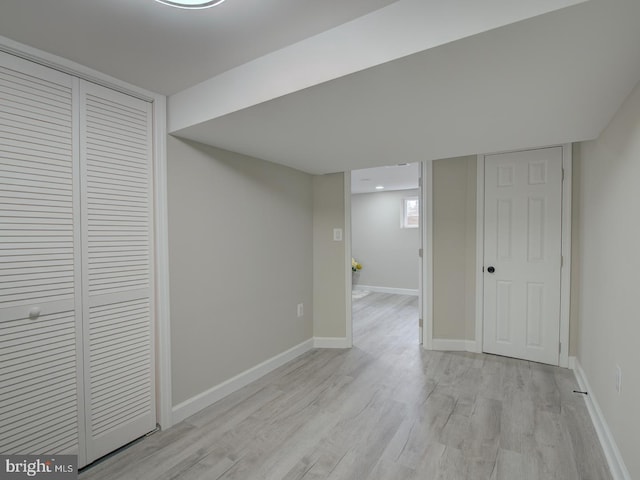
(40, 326)
(115, 146)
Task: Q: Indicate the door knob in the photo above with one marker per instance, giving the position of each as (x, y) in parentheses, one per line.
(491, 269)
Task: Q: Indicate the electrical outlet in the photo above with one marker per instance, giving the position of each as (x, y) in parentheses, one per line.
(300, 310)
(337, 234)
(618, 379)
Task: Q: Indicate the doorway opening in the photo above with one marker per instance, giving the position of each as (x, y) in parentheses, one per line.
(386, 238)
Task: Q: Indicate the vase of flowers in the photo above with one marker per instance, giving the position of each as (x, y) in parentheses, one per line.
(355, 266)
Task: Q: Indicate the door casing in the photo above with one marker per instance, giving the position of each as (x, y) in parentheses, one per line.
(424, 295)
(426, 239)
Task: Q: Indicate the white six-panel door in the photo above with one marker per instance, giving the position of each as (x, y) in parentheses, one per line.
(522, 254)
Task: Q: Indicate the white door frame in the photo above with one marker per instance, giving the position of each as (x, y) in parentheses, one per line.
(347, 258)
(565, 270)
(426, 294)
(161, 234)
(427, 255)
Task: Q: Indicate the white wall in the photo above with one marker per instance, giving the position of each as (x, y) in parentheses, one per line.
(240, 258)
(388, 253)
(454, 248)
(609, 274)
(329, 262)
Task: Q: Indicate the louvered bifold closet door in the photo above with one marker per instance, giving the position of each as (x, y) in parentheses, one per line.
(40, 327)
(115, 151)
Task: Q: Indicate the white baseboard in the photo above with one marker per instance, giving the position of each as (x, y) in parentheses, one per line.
(209, 397)
(614, 458)
(452, 345)
(331, 342)
(398, 291)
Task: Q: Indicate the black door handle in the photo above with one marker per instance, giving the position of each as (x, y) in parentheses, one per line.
(491, 269)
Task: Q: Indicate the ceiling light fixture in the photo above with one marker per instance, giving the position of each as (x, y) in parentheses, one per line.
(191, 4)
(379, 187)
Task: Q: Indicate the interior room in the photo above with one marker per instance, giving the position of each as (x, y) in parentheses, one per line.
(386, 237)
(177, 230)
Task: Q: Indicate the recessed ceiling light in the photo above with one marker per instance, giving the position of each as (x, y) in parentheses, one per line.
(379, 187)
(193, 4)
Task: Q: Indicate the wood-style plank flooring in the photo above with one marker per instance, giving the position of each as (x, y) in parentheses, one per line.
(384, 410)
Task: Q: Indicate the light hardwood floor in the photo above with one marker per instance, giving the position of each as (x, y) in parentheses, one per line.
(384, 410)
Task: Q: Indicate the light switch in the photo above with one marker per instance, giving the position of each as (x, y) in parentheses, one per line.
(337, 234)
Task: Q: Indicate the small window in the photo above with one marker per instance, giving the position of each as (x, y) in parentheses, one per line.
(410, 212)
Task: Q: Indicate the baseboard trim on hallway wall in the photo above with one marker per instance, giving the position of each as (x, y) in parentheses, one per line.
(331, 342)
(612, 453)
(452, 345)
(209, 397)
(397, 291)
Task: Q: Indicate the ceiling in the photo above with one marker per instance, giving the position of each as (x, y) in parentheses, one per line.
(552, 79)
(391, 177)
(165, 49)
(341, 85)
